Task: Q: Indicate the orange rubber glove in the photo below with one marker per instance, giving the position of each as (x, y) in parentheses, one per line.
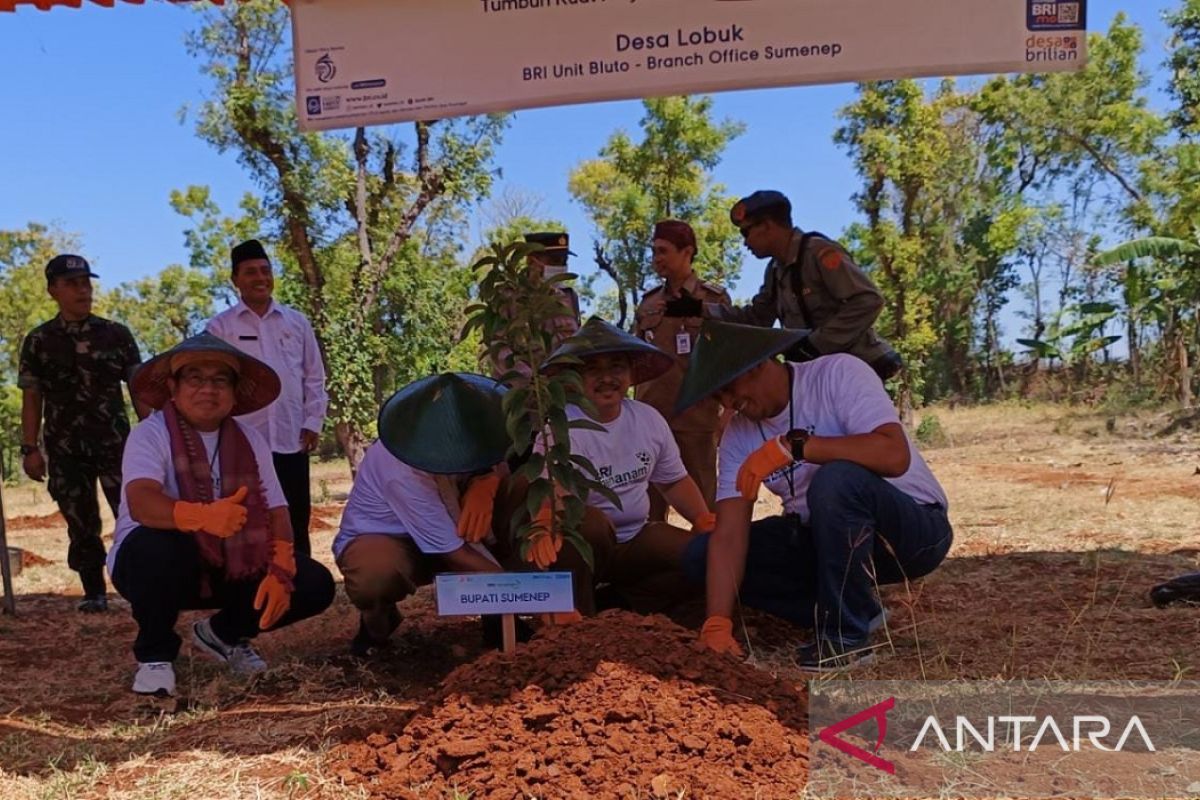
(761, 463)
(222, 518)
(705, 523)
(274, 596)
(475, 521)
(717, 635)
(544, 544)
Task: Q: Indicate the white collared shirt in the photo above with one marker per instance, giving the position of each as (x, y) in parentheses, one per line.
(283, 338)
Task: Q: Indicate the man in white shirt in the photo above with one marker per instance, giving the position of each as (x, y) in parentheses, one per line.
(203, 522)
(861, 507)
(422, 500)
(633, 450)
(283, 338)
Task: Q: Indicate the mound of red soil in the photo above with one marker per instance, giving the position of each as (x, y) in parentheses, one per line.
(616, 706)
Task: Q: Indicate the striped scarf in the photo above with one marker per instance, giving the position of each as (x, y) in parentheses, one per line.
(246, 554)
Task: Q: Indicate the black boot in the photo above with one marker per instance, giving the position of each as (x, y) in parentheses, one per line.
(364, 645)
(95, 592)
(1184, 589)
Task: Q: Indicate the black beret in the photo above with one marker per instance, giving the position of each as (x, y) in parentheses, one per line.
(757, 203)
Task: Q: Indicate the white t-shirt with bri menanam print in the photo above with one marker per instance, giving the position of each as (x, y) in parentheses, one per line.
(633, 451)
(836, 395)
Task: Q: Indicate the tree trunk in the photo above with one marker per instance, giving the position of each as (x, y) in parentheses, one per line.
(1135, 356)
(1185, 368)
(353, 443)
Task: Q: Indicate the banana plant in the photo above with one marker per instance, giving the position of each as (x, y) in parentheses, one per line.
(1170, 295)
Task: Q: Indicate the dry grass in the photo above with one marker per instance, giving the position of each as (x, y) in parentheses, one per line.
(1061, 526)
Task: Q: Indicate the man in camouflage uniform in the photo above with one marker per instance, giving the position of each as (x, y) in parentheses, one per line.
(660, 320)
(71, 370)
(810, 283)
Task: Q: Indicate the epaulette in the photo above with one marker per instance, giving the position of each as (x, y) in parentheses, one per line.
(714, 287)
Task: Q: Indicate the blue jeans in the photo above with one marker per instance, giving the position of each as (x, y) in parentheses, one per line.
(862, 532)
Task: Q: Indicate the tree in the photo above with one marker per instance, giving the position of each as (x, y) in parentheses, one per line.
(511, 317)
(24, 304)
(349, 213)
(1171, 295)
(164, 309)
(666, 175)
(1050, 126)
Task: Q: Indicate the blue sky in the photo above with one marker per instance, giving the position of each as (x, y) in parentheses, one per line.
(92, 140)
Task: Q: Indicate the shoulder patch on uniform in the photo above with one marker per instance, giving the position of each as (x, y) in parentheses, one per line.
(829, 257)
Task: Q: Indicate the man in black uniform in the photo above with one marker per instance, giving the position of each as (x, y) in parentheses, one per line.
(70, 375)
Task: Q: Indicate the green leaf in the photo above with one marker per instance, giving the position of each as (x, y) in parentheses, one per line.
(1042, 349)
(1149, 247)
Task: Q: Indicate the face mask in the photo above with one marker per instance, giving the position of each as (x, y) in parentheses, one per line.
(550, 270)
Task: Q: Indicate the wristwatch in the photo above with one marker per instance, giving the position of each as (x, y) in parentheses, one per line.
(797, 438)
(28, 449)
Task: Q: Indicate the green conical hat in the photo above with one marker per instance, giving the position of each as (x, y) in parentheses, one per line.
(446, 423)
(725, 351)
(599, 338)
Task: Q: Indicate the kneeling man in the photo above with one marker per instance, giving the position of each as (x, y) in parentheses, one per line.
(203, 520)
(861, 508)
(632, 448)
(423, 498)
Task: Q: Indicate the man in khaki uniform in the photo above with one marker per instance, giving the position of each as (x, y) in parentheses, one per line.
(810, 283)
(661, 320)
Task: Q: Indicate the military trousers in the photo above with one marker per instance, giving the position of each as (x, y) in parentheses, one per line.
(71, 480)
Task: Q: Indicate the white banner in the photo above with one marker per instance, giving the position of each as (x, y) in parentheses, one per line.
(370, 62)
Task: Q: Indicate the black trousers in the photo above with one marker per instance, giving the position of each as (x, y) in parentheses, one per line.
(159, 572)
(292, 470)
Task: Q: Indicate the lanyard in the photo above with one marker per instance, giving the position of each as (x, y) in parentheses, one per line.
(791, 427)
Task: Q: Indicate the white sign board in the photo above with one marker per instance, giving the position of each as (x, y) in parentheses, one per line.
(472, 593)
(370, 62)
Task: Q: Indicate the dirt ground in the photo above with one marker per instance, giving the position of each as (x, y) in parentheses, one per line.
(1063, 521)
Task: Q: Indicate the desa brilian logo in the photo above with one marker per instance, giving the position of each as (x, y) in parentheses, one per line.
(326, 69)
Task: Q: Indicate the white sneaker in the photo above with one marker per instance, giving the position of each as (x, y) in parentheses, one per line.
(242, 658)
(156, 678)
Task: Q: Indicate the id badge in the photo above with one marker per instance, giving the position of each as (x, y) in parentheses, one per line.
(683, 344)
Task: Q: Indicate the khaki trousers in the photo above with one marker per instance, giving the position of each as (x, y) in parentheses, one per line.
(647, 571)
(699, 454)
(380, 571)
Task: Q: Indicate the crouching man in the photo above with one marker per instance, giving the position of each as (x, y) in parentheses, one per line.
(632, 449)
(203, 522)
(423, 498)
(861, 508)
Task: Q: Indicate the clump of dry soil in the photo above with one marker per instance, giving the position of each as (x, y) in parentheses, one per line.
(615, 706)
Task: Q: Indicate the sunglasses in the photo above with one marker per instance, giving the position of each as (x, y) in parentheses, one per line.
(745, 230)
